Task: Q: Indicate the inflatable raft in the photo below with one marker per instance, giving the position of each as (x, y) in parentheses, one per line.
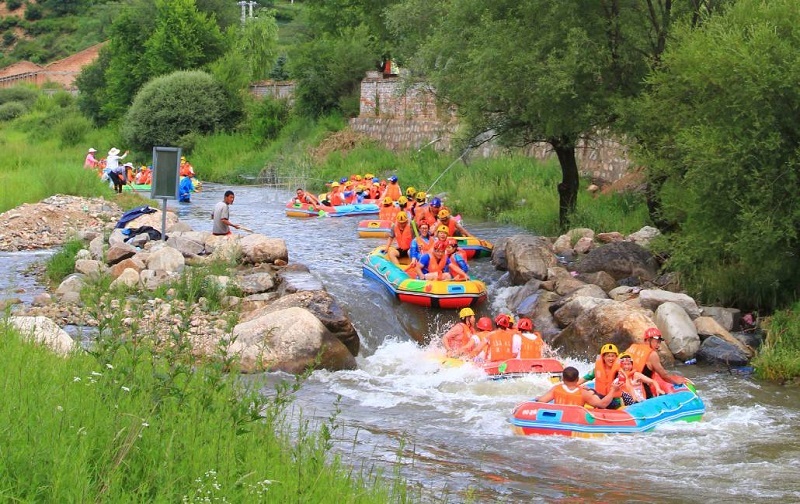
(307, 210)
(530, 417)
(474, 247)
(511, 368)
(374, 228)
(427, 293)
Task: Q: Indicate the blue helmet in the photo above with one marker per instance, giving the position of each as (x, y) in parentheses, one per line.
(392, 179)
(436, 202)
(376, 179)
(343, 180)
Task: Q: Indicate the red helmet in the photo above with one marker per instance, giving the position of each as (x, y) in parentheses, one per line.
(440, 245)
(502, 320)
(525, 324)
(452, 242)
(653, 333)
(484, 324)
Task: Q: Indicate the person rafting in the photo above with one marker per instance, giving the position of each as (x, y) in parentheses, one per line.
(633, 388)
(430, 266)
(605, 371)
(455, 264)
(422, 243)
(303, 197)
(501, 340)
(480, 347)
(392, 189)
(388, 210)
(221, 216)
(401, 233)
(568, 392)
(647, 361)
(458, 340)
(532, 345)
(454, 228)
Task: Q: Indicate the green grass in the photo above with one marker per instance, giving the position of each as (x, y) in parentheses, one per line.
(778, 359)
(131, 423)
(62, 263)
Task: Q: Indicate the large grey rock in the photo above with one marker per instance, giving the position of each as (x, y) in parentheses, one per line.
(620, 260)
(128, 278)
(297, 280)
(520, 294)
(718, 351)
(255, 283)
(528, 257)
(288, 340)
(166, 259)
(117, 237)
(600, 279)
(323, 306)
(538, 308)
(653, 298)
(83, 254)
(606, 322)
(257, 249)
(707, 326)
(72, 283)
(189, 244)
(43, 331)
(89, 267)
(729, 318)
(569, 309)
(678, 330)
(499, 260)
(118, 252)
(644, 236)
(96, 248)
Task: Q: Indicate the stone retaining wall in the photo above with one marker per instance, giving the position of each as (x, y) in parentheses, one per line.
(403, 118)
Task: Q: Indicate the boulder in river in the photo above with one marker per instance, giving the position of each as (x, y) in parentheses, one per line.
(528, 257)
(620, 260)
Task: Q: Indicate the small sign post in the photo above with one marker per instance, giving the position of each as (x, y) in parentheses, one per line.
(166, 178)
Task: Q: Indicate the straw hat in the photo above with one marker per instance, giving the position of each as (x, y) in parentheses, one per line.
(92, 149)
(113, 152)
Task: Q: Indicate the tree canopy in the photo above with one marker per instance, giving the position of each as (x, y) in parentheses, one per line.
(718, 130)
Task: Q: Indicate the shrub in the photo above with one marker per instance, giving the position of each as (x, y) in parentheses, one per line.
(62, 263)
(8, 22)
(33, 12)
(9, 38)
(10, 110)
(267, 118)
(23, 94)
(13, 5)
(169, 107)
(72, 131)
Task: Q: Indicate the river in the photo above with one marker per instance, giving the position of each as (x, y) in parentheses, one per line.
(448, 428)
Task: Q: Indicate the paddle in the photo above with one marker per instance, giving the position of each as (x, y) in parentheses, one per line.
(248, 230)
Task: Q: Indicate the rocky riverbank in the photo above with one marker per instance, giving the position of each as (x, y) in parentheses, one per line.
(256, 307)
(583, 290)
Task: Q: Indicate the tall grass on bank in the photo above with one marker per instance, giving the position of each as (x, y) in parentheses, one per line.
(131, 424)
(514, 190)
(778, 359)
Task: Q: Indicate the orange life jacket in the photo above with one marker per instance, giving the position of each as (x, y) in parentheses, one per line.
(563, 395)
(458, 335)
(639, 352)
(393, 191)
(424, 246)
(604, 376)
(451, 225)
(423, 215)
(500, 345)
(531, 347)
(403, 237)
(388, 213)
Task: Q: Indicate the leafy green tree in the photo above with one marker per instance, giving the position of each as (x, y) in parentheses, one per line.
(173, 106)
(91, 84)
(328, 71)
(718, 128)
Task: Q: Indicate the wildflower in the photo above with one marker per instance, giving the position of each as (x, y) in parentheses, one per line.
(145, 424)
(126, 389)
(109, 366)
(59, 408)
(95, 373)
(76, 379)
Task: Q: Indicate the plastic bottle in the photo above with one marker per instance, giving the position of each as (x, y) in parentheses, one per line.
(690, 362)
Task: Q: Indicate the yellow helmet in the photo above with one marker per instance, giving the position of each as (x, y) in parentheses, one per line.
(335, 184)
(443, 228)
(358, 178)
(387, 200)
(410, 191)
(466, 312)
(402, 217)
(420, 196)
(609, 348)
(402, 200)
(369, 176)
(444, 213)
(625, 355)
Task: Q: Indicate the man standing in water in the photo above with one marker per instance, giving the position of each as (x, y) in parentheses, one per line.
(221, 215)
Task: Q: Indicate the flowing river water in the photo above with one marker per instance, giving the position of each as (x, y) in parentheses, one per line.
(446, 430)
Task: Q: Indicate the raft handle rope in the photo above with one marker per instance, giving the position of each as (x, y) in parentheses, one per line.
(661, 412)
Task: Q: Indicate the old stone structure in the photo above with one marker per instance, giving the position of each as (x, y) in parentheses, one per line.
(282, 90)
(408, 117)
